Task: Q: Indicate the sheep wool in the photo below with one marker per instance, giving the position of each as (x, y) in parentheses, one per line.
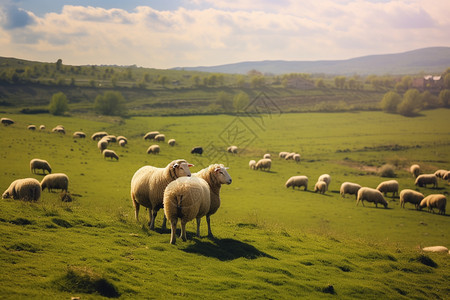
(27, 189)
(186, 198)
(263, 164)
(102, 144)
(7, 121)
(56, 181)
(326, 178)
(410, 196)
(283, 154)
(160, 138)
(432, 201)
(150, 135)
(424, 179)
(415, 170)
(110, 154)
(232, 149)
(440, 173)
(98, 135)
(31, 127)
(122, 138)
(370, 195)
(42, 127)
(153, 149)
(389, 186)
(172, 142)
(267, 155)
(148, 184)
(252, 164)
(79, 134)
(297, 181)
(349, 188)
(40, 164)
(320, 186)
(122, 143)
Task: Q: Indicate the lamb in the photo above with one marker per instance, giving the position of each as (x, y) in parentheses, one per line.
(31, 127)
(42, 127)
(197, 150)
(27, 189)
(40, 164)
(283, 154)
(232, 149)
(415, 170)
(148, 184)
(297, 181)
(110, 153)
(98, 135)
(150, 135)
(438, 201)
(79, 134)
(263, 164)
(153, 149)
(410, 196)
(160, 138)
(55, 181)
(424, 179)
(102, 144)
(215, 175)
(389, 186)
(186, 198)
(7, 121)
(440, 173)
(320, 186)
(349, 188)
(252, 164)
(172, 142)
(370, 195)
(267, 155)
(326, 178)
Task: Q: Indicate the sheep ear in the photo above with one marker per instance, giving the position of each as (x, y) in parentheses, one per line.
(217, 169)
(190, 165)
(175, 166)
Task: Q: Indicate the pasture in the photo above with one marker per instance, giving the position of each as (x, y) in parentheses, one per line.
(270, 242)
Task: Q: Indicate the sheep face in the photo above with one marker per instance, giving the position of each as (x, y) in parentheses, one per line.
(222, 175)
(182, 169)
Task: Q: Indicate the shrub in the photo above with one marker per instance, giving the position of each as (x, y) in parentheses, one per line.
(387, 170)
(390, 102)
(111, 104)
(58, 104)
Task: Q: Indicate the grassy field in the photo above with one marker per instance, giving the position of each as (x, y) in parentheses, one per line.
(270, 242)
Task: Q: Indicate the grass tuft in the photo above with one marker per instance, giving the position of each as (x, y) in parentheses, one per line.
(23, 247)
(21, 221)
(61, 222)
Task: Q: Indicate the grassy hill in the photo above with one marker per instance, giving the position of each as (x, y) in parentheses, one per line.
(271, 242)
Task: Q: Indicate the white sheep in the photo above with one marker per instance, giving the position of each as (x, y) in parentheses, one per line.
(410, 196)
(186, 198)
(59, 129)
(172, 142)
(160, 138)
(102, 144)
(150, 135)
(296, 157)
(31, 127)
(110, 153)
(79, 134)
(389, 186)
(148, 184)
(349, 188)
(370, 195)
(326, 178)
(446, 176)
(415, 170)
(98, 135)
(424, 179)
(215, 175)
(232, 149)
(7, 121)
(59, 181)
(283, 154)
(27, 189)
(153, 149)
(432, 201)
(122, 143)
(267, 155)
(435, 249)
(252, 164)
(440, 173)
(289, 156)
(320, 186)
(263, 164)
(42, 127)
(122, 138)
(39, 164)
(297, 181)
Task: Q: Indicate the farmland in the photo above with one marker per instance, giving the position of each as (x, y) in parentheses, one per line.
(270, 242)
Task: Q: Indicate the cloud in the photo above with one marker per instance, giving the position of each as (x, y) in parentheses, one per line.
(12, 17)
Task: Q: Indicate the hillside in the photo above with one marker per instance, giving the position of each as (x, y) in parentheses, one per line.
(432, 60)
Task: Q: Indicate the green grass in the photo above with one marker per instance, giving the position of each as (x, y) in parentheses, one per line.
(271, 242)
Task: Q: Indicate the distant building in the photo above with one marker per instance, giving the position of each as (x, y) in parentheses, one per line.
(429, 82)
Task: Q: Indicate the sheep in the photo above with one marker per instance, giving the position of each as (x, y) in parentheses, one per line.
(435, 249)
(263, 164)
(122, 143)
(160, 138)
(31, 127)
(148, 184)
(370, 195)
(446, 175)
(172, 142)
(232, 149)
(186, 198)
(296, 157)
(289, 156)
(326, 178)
(59, 129)
(267, 155)
(102, 144)
(252, 164)
(320, 186)
(283, 154)
(7, 121)
(153, 149)
(55, 181)
(389, 186)
(79, 134)
(349, 188)
(111, 138)
(440, 173)
(415, 170)
(40, 164)
(150, 135)
(98, 135)
(122, 138)
(42, 127)
(197, 150)
(410, 196)
(27, 189)
(424, 179)
(110, 153)
(215, 175)
(438, 201)
(297, 181)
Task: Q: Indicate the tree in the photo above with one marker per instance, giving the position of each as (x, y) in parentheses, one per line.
(58, 64)
(111, 104)
(58, 104)
(447, 81)
(411, 104)
(240, 101)
(444, 98)
(390, 102)
(320, 83)
(224, 101)
(339, 82)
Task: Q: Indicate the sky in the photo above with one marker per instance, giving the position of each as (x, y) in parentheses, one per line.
(186, 33)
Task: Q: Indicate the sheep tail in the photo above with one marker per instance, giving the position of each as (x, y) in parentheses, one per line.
(179, 212)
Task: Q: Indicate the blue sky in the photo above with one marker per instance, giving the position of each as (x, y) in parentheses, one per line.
(165, 34)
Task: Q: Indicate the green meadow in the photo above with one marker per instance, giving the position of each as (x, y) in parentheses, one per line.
(270, 242)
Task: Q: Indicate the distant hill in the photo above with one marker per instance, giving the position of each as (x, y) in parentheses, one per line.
(429, 60)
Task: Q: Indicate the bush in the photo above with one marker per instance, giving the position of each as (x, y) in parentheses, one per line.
(387, 170)
(111, 104)
(411, 104)
(58, 104)
(390, 102)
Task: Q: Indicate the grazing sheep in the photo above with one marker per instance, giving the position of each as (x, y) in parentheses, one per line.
(27, 189)
(389, 186)
(320, 186)
(263, 164)
(79, 134)
(283, 154)
(59, 129)
(435, 249)
(153, 149)
(424, 179)
(290, 156)
(197, 150)
(98, 135)
(432, 201)
(122, 138)
(415, 170)
(252, 164)
(186, 198)
(110, 153)
(59, 181)
(40, 164)
(102, 144)
(31, 127)
(267, 155)
(7, 121)
(111, 138)
(150, 135)
(148, 184)
(297, 181)
(215, 175)
(172, 142)
(160, 138)
(232, 149)
(326, 178)
(370, 195)
(440, 173)
(42, 127)
(296, 157)
(410, 196)
(349, 188)
(122, 143)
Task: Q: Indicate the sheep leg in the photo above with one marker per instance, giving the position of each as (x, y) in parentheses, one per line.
(173, 234)
(198, 227)
(208, 220)
(152, 214)
(164, 224)
(183, 231)
(136, 209)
